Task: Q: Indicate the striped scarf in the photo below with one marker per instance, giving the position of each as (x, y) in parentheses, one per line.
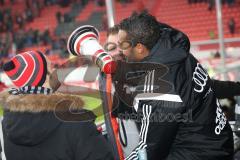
(30, 90)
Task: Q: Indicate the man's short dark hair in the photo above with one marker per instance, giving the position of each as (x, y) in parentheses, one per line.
(113, 30)
(141, 28)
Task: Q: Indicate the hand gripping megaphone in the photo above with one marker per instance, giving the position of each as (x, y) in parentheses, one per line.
(84, 41)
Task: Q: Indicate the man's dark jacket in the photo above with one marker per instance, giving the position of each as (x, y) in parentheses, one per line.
(180, 117)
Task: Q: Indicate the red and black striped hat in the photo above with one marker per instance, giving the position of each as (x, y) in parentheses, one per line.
(27, 69)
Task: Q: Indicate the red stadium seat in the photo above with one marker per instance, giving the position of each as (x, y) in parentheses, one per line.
(195, 19)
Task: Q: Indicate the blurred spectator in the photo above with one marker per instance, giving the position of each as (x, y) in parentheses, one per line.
(217, 54)
(211, 4)
(100, 2)
(48, 52)
(7, 12)
(47, 2)
(19, 39)
(29, 15)
(12, 51)
(2, 2)
(64, 3)
(59, 17)
(27, 3)
(2, 27)
(36, 8)
(55, 44)
(36, 37)
(67, 18)
(231, 25)
(46, 39)
(125, 1)
(192, 1)
(1, 63)
(7, 20)
(1, 16)
(1, 21)
(63, 48)
(29, 38)
(84, 2)
(9, 24)
(230, 3)
(5, 44)
(19, 20)
(14, 40)
(8, 40)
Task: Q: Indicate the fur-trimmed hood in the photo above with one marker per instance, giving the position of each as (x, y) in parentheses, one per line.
(38, 102)
(31, 118)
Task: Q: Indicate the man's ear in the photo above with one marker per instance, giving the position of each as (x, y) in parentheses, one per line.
(141, 50)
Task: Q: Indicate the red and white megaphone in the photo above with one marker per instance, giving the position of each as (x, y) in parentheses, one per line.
(84, 41)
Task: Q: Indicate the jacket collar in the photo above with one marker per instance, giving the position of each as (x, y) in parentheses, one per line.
(39, 102)
(172, 47)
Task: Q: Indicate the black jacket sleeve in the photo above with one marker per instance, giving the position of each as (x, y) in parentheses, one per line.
(225, 89)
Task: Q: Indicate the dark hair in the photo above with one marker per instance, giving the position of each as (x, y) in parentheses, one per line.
(113, 30)
(141, 28)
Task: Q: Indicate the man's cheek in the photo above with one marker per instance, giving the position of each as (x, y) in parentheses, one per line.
(131, 55)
